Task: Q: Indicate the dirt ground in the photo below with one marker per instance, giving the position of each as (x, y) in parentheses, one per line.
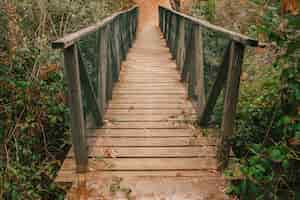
(149, 12)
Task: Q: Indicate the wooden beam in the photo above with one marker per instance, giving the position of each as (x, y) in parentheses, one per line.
(216, 89)
(70, 39)
(230, 104)
(199, 68)
(181, 45)
(237, 37)
(77, 121)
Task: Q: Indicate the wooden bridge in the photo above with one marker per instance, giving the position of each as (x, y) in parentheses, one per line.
(136, 102)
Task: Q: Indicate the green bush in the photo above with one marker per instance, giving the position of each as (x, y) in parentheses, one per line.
(268, 121)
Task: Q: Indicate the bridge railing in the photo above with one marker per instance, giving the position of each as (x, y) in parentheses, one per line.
(210, 59)
(92, 60)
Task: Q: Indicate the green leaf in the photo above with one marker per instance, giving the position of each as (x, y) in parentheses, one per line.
(285, 120)
(277, 155)
(285, 164)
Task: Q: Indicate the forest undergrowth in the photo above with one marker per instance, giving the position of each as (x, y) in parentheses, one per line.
(34, 130)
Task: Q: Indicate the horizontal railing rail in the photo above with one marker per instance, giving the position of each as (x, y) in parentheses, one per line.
(210, 59)
(92, 60)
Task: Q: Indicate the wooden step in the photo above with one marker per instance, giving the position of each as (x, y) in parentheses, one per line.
(150, 141)
(151, 152)
(144, 164)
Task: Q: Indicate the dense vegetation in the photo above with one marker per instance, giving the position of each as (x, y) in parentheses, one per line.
(267, 136)
(34, 131)
(33, 113)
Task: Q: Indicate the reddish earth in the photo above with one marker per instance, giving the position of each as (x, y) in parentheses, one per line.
(149, 11)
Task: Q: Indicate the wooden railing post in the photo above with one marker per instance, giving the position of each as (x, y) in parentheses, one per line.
(174, 33)
(116, 46)
(103, 69)
(199, 67)
(230, 104)
(181, 44)
(109, 72)
(77, 121)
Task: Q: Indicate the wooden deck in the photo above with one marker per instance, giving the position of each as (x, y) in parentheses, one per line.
(148, 141)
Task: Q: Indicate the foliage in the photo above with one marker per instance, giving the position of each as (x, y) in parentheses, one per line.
(34, 127)
(267, 140)
(34, 117)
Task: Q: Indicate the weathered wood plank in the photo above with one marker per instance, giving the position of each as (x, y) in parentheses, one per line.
(70, 176)
(149, 101)
(150, 142)
(150, 118)
(142, 133)
(151, 152)
(146, 125)
(149, 95)
(134, 164)
(131, 106)
(184, 111)
(154, 92)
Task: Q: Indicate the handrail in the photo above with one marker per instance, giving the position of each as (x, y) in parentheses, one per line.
(230, 34)
(92, 60)
(71, 38)
(188, 46)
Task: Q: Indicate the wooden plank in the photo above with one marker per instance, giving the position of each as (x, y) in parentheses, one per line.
(147, 85)
(137, 164)
(149, 101)
(151, 152)
(151, 88)
(131, 106)
(150, 142)
(150, 96)
(151, 111)
(230, 104)
(138, 81)
(154, 188)
(145, 92)
(68, 176)
(153, 76)
(142, 132)
(146, 125)
(70, 39)
(77, 121)
(150, 118)
(237, 37)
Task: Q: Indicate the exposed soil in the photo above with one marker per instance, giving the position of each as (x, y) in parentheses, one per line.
(149, 12)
